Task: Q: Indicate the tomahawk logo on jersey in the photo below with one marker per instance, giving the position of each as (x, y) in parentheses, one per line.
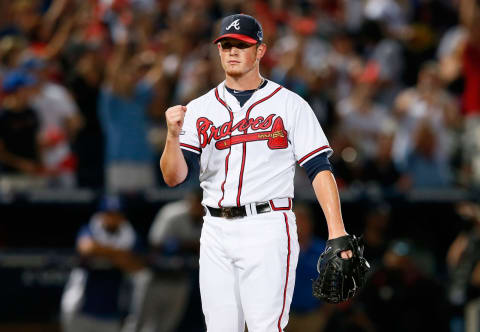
(256, 146)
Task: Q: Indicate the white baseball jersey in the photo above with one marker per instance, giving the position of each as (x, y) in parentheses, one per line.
(248, 154)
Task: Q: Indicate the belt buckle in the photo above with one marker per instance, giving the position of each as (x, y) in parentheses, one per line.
(262, 207)
(226, 213)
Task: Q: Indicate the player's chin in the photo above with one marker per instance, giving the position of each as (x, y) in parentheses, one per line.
(234, 71)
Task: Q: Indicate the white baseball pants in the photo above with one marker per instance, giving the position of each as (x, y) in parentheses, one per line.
(247, 271)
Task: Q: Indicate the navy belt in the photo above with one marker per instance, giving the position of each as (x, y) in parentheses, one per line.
(234, 212)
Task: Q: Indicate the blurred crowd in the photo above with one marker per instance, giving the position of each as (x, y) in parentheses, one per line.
(85, 84)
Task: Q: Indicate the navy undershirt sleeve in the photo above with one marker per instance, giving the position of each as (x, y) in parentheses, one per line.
(193, 162)
(316, 165)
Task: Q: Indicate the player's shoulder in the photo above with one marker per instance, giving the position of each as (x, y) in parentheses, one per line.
(290, 99)
(285, 92)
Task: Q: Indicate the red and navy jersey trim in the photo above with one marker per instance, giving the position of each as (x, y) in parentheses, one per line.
(222, 187)
(220, 100)
(301, 160)
(191, 147)
(244, 152)
(279, 325)
(274, 208)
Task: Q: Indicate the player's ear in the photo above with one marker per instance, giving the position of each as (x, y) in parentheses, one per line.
(261, 50)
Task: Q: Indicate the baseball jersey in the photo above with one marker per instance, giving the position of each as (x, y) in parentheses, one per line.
(248, 153)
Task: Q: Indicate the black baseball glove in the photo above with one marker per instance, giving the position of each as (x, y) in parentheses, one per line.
(340, 279)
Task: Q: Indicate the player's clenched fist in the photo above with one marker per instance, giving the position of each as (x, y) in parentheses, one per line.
(174, 116)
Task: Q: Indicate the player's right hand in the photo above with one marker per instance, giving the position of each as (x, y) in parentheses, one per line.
(175, 116)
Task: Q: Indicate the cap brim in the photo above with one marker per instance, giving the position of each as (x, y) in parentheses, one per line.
(237, 36)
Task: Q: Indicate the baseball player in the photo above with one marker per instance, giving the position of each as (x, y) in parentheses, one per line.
(245, 136)
(108, 247)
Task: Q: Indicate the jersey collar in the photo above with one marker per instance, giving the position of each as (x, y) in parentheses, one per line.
(258, 95)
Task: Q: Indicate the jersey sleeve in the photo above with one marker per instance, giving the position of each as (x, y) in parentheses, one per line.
(308, 139)
(317, 164)
(188, 136)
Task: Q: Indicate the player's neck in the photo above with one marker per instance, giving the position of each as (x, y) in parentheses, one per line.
(244, 82)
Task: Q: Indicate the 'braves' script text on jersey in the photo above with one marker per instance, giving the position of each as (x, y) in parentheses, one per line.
(248, 154)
